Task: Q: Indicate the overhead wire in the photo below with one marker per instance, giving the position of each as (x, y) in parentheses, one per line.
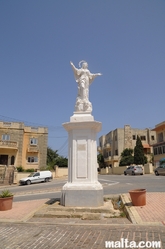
(51, 128)
(10, 119)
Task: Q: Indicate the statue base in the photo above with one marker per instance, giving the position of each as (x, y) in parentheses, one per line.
(82, 188)
(82, 195)
(81, 116)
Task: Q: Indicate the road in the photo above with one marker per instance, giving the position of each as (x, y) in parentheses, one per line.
(118, 184)
(112, 184)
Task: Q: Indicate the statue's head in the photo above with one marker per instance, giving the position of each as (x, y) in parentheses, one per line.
(83, 64)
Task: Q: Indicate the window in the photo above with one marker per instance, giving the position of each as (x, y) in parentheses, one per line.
(37, 174)
(159, 150)
(32, 159)
(116, 152)
(134, 137)
(143, 138)
(5, 137)
(12, 160)
(160, 137)
(163, 149)
(155, 151)
(109, 140)
(152, 138)
(33, 141)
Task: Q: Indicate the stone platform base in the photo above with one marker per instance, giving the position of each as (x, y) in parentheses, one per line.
(55, 210)
(76, 195)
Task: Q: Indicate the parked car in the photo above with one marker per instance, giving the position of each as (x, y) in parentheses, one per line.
(42, 176)
(160, 170)
(134, 170)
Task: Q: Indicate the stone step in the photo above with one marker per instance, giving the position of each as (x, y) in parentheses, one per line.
(82, 210)
(83, 216)
(106, 208)
(94, 213)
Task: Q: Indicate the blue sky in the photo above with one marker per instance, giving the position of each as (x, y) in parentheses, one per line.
(122, 39)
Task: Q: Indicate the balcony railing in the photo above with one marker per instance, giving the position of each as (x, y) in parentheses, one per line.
(108, 158)
(107, 146)
(33, 148)
(99, 148)
(8, 144)
(111, 158)
(115, 158)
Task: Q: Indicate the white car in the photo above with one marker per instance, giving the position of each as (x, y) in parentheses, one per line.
(134, 170)
(42, 176)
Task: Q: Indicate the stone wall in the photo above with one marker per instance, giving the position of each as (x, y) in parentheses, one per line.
(147, 169)
(114, 170)
(59, 172)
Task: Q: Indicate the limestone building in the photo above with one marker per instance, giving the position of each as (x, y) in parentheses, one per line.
(112, 144)
(159, 147)
(22, 145)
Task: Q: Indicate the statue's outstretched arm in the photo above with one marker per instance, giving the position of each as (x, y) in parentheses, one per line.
(93, 76)
(73, 67)
(76, 71)
(97, 74)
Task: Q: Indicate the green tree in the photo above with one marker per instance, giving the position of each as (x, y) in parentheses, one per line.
(100, 160)
(139, 157)
(51, 157)
(61, 161)
(126, 157)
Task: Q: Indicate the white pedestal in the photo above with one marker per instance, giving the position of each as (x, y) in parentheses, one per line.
(82, 188)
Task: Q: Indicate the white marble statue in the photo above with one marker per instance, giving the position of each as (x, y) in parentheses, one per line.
(84, 78)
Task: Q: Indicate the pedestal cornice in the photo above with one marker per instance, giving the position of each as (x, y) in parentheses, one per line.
(94, 125)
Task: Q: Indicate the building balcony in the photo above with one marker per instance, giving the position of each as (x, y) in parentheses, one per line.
(111, 158)
(99, 149)
(7, 144)
(158, 144)
(115, 158)
(107, 159)
(33, 148)
(107, 146)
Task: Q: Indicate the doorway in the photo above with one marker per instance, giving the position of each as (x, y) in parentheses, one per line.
(12, 160)
(4, 159)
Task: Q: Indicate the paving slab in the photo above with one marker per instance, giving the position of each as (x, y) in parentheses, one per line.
(20, 229)
(70, 236)
(153, 213)
(21, 211)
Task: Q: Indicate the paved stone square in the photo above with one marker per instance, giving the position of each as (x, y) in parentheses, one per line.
(20, 230)
(21, 211)
(154, 210)
(38, 235)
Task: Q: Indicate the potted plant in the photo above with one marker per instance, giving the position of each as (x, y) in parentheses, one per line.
(138, 197)
(6, 200)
